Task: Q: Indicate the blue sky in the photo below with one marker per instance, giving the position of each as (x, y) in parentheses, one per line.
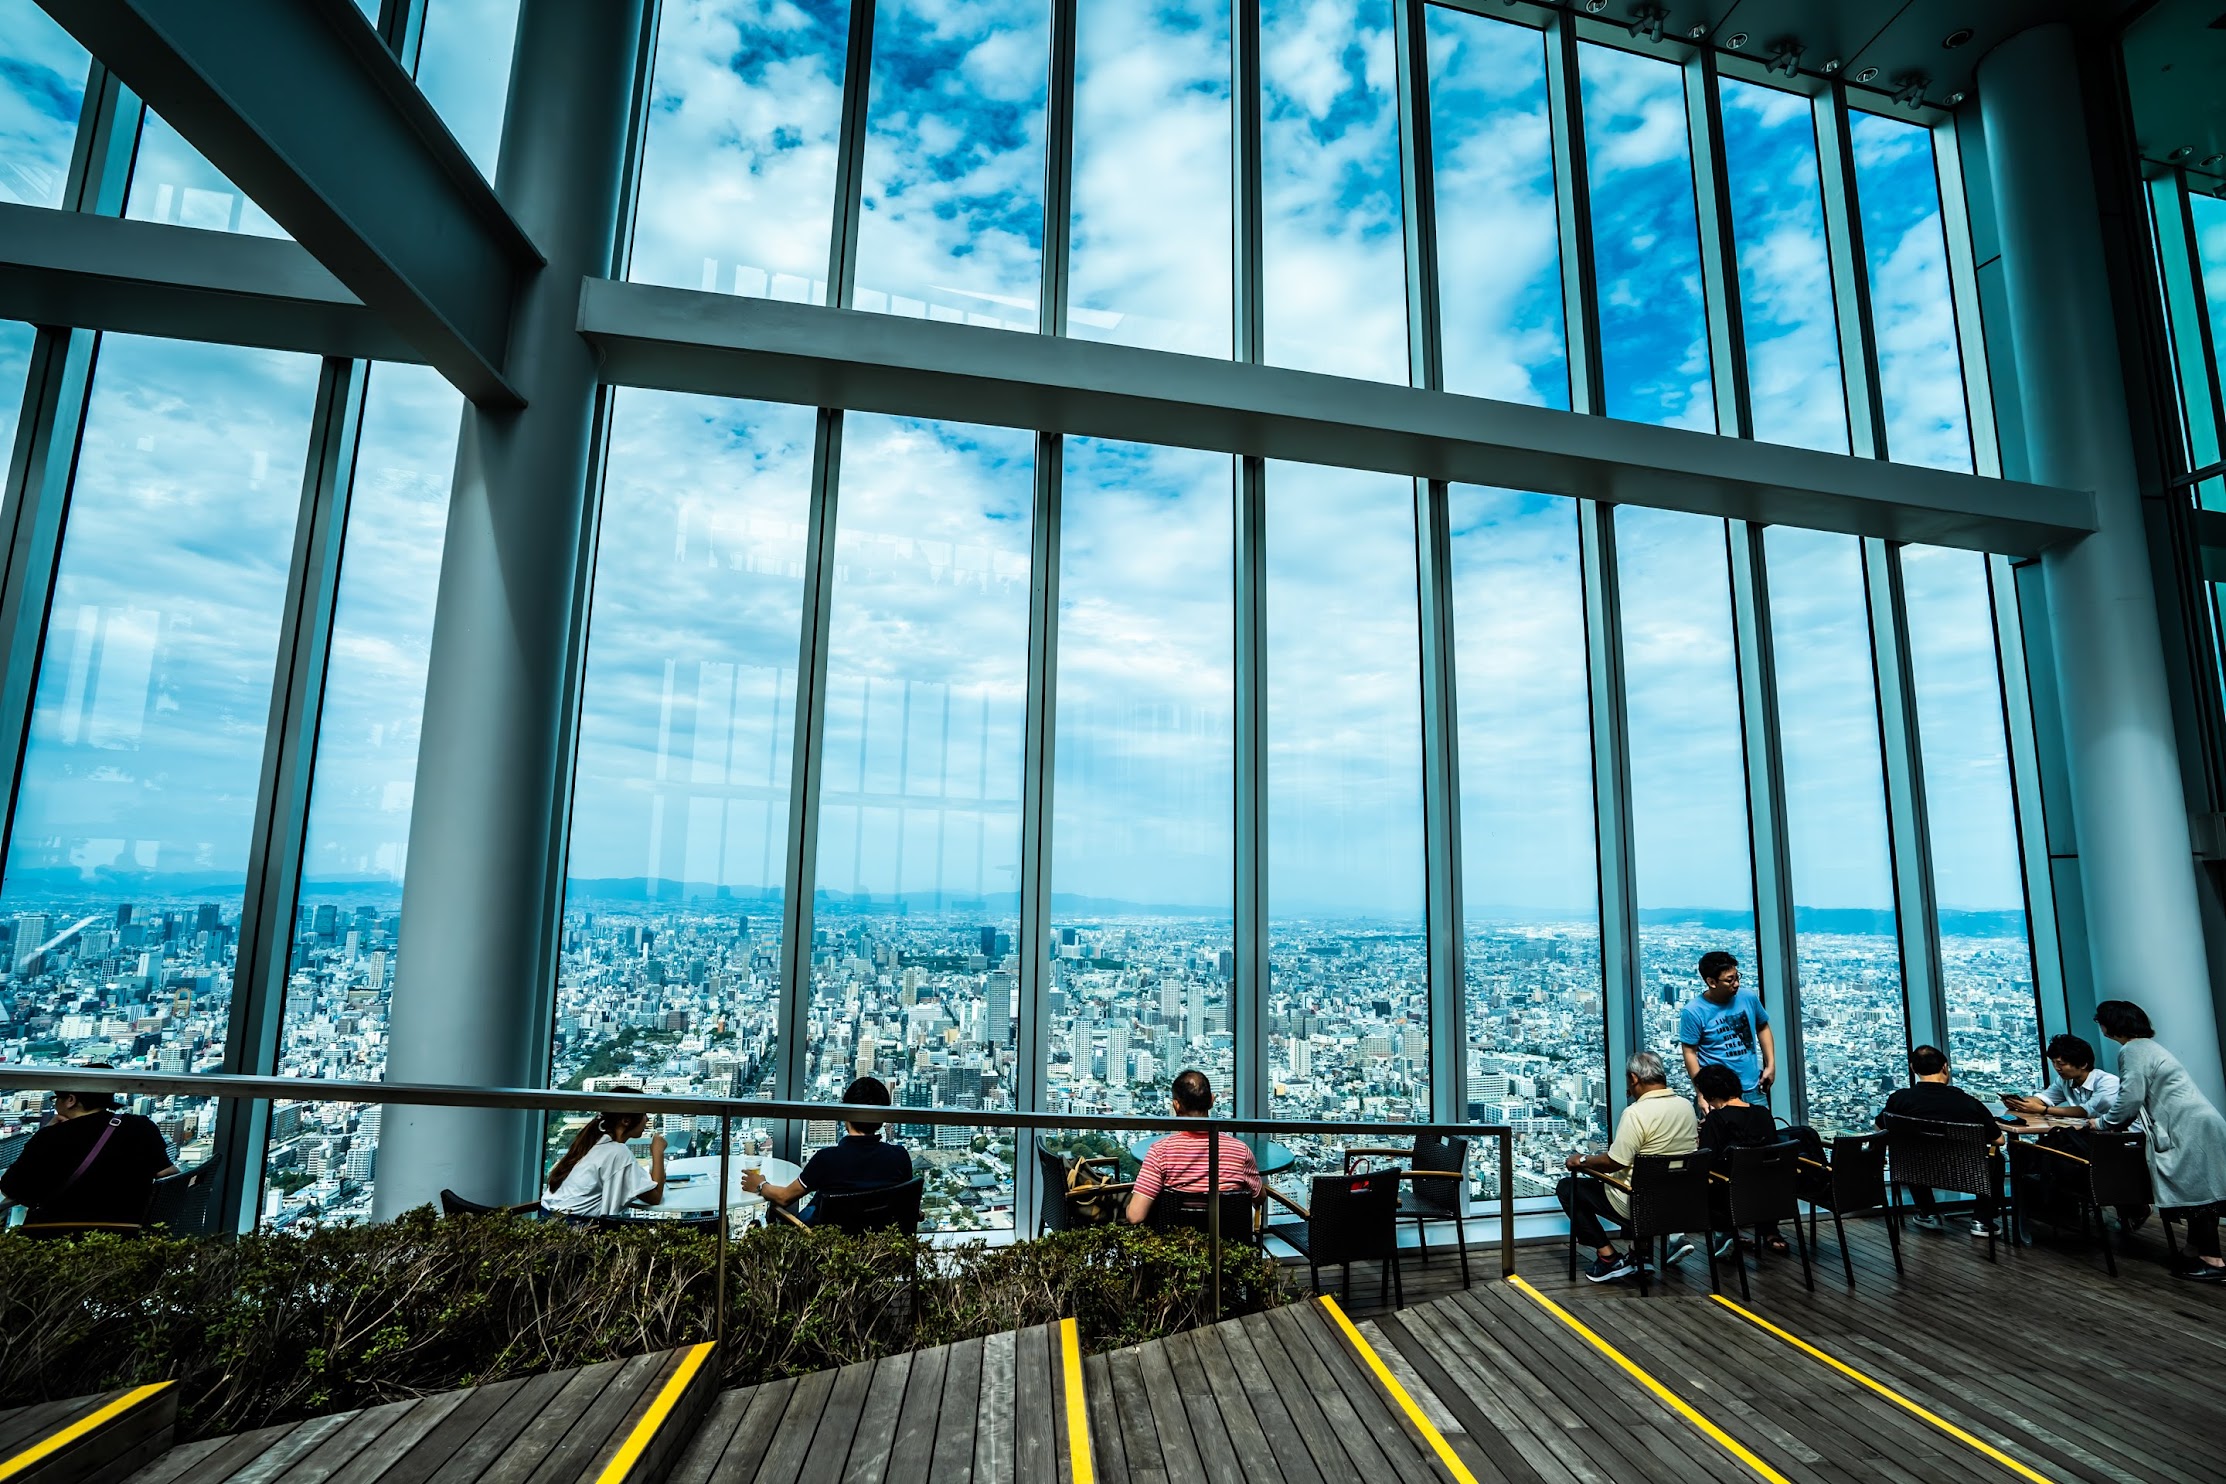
(686, 721)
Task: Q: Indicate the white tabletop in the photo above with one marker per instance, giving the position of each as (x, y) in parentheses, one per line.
(692, 1183)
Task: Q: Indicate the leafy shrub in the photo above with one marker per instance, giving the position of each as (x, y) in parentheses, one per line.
(267, 1329)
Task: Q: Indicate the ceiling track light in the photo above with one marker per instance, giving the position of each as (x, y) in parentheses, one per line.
(1954, 99)
(1736, 40)
(1785, 57)
(1910, 89)
(2182, 153)
(1647, 21)
(2212, 162)
(1831, 66)
(1594, 7)
(1868, 74)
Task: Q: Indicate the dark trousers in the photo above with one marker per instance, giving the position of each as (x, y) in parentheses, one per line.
(2202, 1229)
(1928, 1204)
(1586, 1202)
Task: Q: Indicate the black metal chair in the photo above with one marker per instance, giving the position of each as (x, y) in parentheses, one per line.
(1436, 1166)
(1946, 1156)
(1057, 1193)
(453, 1204)
(1668, 1195)
(856, 1212)
(1352, 1218)
(2113, 1172)
(1763, 1189)
(1853, 1183)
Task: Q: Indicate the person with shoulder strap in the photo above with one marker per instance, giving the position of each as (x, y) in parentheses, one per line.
(93, 1165)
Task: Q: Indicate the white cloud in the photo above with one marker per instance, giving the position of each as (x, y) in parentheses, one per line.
(42, 87)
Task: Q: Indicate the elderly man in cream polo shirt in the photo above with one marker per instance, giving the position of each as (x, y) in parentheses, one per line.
(1657, 1121)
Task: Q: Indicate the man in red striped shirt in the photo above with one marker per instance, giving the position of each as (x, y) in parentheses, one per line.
(1178, 1162)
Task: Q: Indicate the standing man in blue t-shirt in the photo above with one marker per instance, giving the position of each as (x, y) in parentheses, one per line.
(1726, 1026)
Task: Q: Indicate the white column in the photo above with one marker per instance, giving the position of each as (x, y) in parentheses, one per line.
(2128, 806)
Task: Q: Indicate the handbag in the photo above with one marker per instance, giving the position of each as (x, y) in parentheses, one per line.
(1088, 1208)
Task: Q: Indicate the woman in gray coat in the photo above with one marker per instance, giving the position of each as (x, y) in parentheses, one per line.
(2187, 1137)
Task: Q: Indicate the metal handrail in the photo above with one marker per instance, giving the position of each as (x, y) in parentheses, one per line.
(727, 1110)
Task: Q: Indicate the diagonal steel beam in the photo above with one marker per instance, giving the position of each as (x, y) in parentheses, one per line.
(303, 106)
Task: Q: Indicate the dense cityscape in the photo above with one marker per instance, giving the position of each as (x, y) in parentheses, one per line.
(684, 999)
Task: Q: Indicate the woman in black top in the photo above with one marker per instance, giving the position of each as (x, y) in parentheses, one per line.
(1728, 1121)
(92, 1164)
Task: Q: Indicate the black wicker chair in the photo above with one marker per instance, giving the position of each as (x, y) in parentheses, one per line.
(1946, 1156)
(1188, 1210)
(1669, 1195)
(1056, 1196)
(1852, 1184)
(1763, 1189)
(860, 1211)
(185, 1202)
(453, 1204)
(1430, 1188)
(2114, 1171)
(1352, 1218)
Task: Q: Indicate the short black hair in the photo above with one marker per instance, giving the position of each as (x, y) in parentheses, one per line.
(95, 1102)
(867, 1092)
(2073, 1050)
(2123, 1018)
(1715, 961)
(1928, 1061)
(1193, 1093)
(1717, 1083)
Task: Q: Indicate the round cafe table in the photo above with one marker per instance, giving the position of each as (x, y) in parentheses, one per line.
(1271, 1157)
(692, 1184)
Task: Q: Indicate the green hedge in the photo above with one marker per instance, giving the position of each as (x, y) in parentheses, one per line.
(267, 1329)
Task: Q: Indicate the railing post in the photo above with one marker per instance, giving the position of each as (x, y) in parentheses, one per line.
(1213, 1211)
(1507, 1203)
(719, 1289)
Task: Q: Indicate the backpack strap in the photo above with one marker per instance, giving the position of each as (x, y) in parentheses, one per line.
(115, 1122)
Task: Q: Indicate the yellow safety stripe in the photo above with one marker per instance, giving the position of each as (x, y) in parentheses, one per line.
(1889, 1393)
(1667, 1397)
(1078, 1413)
(645, 1430)
(54, 1443)
(1390, 1383)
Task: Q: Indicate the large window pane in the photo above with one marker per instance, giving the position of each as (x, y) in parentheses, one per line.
(1335, 263)
(128, 859)
(1537, 1044)
(1920, 365)
(15, 364)
(915, 913)
(1853, 1026)
(1645, 240)
(172, 182)
(348, 922)
(1986, 955)
(42, 89)
(463, 68)
(1499, 244)
(670, 973)
(1143, 855)
(1785, 270)
(738, 174)
(2209, 214)
(1688, 766)
(953, 207)
(1348, 1002)
(1150, 262)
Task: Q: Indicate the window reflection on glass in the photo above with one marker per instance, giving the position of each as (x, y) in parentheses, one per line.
(1334, 260)
(1985, 951)
(346, 933)
(42, 90)
(128, 857)
(1688, 764)
(1537, 1044)
(915, 914)
(1348, 1017)
(2209, 214)
(738, 173)
(1645, 240)
(1920, 363)
(1785, 270)
(1143, 851)
(463, 68)
(1853, 1023)
(1499, 244)
(1150, 259)
(172, 182)
(952, 223)
(670, 968)
(15, 365)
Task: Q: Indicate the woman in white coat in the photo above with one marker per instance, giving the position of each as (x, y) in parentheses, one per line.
(2187, 1136)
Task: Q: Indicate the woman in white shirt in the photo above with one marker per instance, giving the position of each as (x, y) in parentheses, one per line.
(599, 1175)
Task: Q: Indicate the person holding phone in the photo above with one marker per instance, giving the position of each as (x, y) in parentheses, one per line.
(2080, 1089)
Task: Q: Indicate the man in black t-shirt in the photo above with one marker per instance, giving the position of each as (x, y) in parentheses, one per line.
(859, 1161)
(93, 1163)
(1728, 1121)
(1933, 1098)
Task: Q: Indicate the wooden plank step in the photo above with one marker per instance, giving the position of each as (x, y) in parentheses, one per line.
(88, 1438)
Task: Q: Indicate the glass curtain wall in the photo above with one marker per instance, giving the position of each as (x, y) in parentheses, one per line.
(127, 856)
(1905, 252)
(1985, 943)
(916, 907)
(1537, 1042)
(15, 364)
(1348, 1012)
(42, 91)
(1144, 788)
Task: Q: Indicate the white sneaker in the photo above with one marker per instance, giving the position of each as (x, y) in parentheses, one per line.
(1928, 1224)
(1983, 1229)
